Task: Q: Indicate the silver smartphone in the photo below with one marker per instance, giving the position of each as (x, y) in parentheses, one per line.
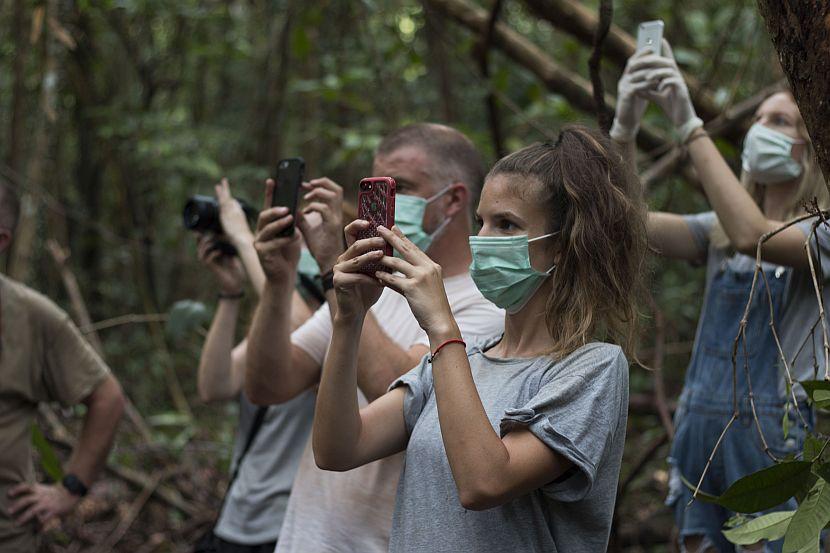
(650, 36)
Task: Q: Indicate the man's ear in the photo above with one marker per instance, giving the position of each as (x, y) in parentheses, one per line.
(5, 239)
(459, 196)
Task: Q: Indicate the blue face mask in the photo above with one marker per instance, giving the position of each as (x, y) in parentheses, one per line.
(409, 218)
(307, 265)
(502, 272)
(767, 156)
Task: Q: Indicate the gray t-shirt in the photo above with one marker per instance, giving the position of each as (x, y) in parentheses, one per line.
(577, 407)
(255, 507)
(800, 308)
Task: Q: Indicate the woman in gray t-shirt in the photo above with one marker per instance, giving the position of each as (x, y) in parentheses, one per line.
(513, 444)
(780, 176)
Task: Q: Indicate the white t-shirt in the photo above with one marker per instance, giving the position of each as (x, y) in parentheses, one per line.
(333, 512)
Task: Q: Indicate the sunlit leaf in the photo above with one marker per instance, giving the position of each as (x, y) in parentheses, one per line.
(812, 515)
(767, 527)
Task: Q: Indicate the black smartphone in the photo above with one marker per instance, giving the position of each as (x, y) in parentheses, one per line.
(289, 180)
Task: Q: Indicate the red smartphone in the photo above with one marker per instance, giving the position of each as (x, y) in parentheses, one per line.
(376, 204)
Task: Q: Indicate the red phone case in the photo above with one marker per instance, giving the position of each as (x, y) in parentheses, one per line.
(376, 204)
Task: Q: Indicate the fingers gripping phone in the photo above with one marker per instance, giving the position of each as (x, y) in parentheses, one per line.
(650, 36)
(376, 204)
(289, 180)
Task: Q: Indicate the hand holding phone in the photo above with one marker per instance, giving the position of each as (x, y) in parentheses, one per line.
(289, 180)
(376, 204)
(650, 36)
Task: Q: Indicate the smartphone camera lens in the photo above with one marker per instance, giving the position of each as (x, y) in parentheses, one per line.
(284, 165)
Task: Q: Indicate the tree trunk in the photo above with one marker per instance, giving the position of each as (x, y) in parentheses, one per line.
(14, 154)
(800, 30)
(26, 232)
(436, 38)
(269, 115)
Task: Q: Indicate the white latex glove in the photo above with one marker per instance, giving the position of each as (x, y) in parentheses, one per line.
(631, 104)
(669, 90)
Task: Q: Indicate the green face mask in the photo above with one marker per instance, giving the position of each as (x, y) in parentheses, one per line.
(502, 272)
(307, 265)
(409, 217)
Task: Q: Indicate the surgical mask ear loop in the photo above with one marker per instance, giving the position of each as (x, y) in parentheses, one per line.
(549, 271)
(447, 220)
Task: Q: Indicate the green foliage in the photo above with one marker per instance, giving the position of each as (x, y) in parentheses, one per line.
(812, 515)
(768, 527)
(185, 317)
(767, 488)
(48, 459)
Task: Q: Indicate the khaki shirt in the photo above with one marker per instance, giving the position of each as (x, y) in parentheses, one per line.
(43, 357)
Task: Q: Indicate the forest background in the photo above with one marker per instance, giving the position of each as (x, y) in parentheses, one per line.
(112, 113)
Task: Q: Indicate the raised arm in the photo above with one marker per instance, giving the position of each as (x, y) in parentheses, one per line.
(743, 220)
(217, 378)
(274, 367)
(345, 436)
(668, 234)
(488, 470)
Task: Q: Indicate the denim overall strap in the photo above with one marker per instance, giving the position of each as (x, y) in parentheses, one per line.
(708, 385)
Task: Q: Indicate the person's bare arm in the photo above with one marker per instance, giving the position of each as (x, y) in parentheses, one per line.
(380, 360)
(105, 405)
(742, 219)
(271, 376)
(345, 436)
(46, 503)
(218, 379)
(671, 237)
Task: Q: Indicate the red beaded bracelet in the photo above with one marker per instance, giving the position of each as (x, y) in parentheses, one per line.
(438, 349)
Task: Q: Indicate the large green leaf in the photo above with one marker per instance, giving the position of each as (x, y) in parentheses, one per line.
(48, 460)
(814, 386)
(809, 519)
(768, 527)
(821, 398)
(185, 317)
(766, 488)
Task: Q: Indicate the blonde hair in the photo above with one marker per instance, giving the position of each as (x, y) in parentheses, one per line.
(812, 185)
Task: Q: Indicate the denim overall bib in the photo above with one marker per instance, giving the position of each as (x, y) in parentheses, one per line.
(706, 406)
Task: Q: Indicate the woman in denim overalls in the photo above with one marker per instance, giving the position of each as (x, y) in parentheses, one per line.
(779, 175)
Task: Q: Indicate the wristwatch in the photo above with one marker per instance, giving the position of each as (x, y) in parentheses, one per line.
(327, 280)
(74, 485)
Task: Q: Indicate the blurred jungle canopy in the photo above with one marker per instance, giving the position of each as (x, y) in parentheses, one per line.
(113, 112)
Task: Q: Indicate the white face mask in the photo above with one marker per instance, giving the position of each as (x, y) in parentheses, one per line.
(767, 156)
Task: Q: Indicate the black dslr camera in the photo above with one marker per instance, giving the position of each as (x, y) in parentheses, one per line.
(201, 214)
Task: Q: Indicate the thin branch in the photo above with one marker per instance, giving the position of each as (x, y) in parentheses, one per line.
(606, 14)
(131, 318)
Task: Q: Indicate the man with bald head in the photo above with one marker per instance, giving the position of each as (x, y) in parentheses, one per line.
(439, 174)
(44, 358)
